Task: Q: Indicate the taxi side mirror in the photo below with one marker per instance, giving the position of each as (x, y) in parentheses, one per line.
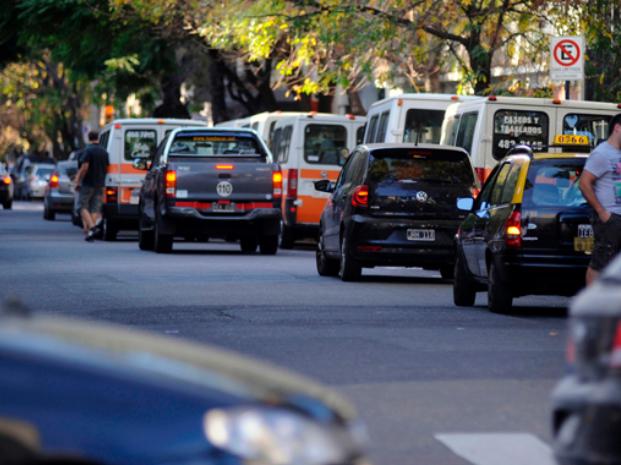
(140, 164)
(465, 203)
(324, 185)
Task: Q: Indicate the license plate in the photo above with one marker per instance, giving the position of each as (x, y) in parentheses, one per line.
(583, 242)
(223, 207)
(421, 235)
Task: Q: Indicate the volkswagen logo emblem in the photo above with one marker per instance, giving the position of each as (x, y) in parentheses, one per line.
(224, 189)
(422, 196)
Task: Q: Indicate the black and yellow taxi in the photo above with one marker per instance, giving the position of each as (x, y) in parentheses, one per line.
(529, 231)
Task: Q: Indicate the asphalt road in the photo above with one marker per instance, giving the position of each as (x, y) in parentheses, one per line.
(435, 384)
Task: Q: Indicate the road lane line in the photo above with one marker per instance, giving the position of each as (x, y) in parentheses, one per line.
(499, 448)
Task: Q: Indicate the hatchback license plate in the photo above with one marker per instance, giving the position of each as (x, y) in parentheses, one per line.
(421, 235)
(583, 242)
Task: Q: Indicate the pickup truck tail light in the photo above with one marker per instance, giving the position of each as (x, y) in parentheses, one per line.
(53, 183)
(513, 230)
(292, 184)
(277, 184)
(112, 194)
(360, 196)
(171, 183)
(615, 353)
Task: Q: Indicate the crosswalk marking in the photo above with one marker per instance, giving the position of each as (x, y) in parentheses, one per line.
(499, 448)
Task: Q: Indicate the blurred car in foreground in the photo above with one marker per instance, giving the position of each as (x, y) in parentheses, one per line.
(529, 231)
(6, 189)
(59, 194)
(394, 205)
(86, 393)
(587, 402)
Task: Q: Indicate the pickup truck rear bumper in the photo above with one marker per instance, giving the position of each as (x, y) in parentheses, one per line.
(259, 221)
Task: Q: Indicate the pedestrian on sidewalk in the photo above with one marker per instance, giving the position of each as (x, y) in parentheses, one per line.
(600, 184)
(90, 183)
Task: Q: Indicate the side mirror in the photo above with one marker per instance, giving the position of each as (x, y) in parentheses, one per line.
(140, 164)
(324, 185)
(465, 203)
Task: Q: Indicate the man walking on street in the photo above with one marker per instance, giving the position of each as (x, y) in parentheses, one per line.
(600, 184)
(90, 182)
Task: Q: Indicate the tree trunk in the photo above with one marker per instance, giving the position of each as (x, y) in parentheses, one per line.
(171, 106)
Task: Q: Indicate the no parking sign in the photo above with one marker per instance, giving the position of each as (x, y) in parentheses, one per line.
(567, 59)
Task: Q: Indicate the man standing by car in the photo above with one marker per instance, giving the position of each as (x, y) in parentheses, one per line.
(600, 184)
(90, 182)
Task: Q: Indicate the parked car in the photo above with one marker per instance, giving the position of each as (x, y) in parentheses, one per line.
(59, 197)
(6, 189)
(83, 393)
(33, 179)
(394, 204)
(212, 182)
(586, 411)
(529, 231)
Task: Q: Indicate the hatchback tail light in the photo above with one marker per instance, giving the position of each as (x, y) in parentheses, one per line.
(53, 180)
(292, 184)
(277, 184)
(360, 196)
(7, 180)
(513, 230)
(112, 194)
(171, 183)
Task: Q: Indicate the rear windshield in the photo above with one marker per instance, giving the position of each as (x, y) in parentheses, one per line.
(70, 169)
(554, 183)
(513, 127)
(215, 145)
(423, 126)
(44, 171)
(438, 166)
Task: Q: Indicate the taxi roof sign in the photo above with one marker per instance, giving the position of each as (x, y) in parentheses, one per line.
(571, 139)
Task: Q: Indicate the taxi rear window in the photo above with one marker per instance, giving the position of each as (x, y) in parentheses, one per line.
(554, 183)
(204, 145)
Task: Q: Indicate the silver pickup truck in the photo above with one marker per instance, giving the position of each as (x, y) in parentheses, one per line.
(211, 182)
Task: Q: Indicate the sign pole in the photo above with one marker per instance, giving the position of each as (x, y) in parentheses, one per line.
(567, 84)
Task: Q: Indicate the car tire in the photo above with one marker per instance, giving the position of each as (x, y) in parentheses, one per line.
(499, 296)
(268, 245)
(287, 237)
(464, 290)
(110, 230)
(248, 244)
(7, 204)
(349, 268)
(326, 266)
(162, 243)
(447, 272)
(146, 238)
(48, 214)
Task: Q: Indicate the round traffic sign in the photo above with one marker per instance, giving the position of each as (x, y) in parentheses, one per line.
(567, 52)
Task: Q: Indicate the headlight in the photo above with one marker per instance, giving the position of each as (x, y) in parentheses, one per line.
(277, 437)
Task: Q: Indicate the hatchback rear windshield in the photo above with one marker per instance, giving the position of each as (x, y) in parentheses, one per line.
(215, 145)
(44, 171)
(554, 183)
(438, 166)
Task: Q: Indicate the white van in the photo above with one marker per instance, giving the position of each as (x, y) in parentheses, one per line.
(263, 122)
(413, 118)
(310, 147)
(488, 126)
(127, 140)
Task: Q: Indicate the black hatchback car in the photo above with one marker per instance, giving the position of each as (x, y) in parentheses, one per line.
(394, 205)
(529, 231)
(586, 407)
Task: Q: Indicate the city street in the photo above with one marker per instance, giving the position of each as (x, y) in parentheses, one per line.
(435, 384)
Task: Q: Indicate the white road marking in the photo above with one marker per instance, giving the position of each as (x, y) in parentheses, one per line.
(499, 448)
(28, 206)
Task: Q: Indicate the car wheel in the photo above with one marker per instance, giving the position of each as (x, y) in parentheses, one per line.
(464, 291)
(349, 268)
(248, 244)
(287, 237)
(48, 214)
(447, 272)
(162, 243)
(268, 245)
(326, 266)
(499, 296)
(7, 204)
(110, 230)
(146, 238)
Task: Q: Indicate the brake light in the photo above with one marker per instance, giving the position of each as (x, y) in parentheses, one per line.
(513, 230)
(225, 167)
(277, 184)
(53, 181)
(615, 354)
(292, 183)
(7, 180)
(111, 194)
(360, 197)
(171, 183)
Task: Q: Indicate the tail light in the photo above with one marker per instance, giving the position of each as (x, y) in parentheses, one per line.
(475, 191)
(225, 167)
(615, 353)
(53, 180)
(292, 183)
(171, 183)
(277, 184)
(7, 180)
(112, 194)
(360, 196)
(513, 230)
